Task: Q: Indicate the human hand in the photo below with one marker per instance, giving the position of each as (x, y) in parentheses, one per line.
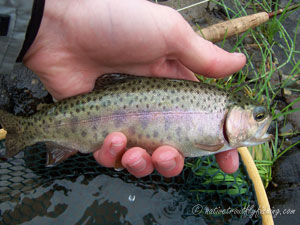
(80, 40)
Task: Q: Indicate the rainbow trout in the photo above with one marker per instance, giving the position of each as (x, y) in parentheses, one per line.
(196, 118)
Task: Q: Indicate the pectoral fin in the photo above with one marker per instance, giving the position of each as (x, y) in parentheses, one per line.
(210, 148)
(57, 153)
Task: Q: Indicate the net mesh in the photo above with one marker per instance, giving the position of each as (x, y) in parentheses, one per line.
(204, 187)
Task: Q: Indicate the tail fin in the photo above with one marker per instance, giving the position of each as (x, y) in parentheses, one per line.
(14, 142)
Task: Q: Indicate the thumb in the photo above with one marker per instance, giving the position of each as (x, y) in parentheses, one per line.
(205, 58)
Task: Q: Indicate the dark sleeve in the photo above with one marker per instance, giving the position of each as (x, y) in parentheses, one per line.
(33, 27)
(15, 18)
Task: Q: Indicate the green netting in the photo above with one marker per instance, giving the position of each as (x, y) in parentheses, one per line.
(201, 185)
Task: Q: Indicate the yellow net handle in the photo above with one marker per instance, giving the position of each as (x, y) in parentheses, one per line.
(261, 195)
(2, 134)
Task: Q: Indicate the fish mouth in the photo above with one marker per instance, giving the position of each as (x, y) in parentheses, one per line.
(261, 135)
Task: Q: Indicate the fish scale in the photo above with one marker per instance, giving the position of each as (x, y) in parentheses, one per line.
(187, 115)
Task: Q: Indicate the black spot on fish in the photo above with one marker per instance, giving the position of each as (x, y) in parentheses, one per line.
(77, 110)
(73, 129)
(104, 133)
(155, 133)
(83, 133)
(95, 136)
(131, 130)
(144, 120)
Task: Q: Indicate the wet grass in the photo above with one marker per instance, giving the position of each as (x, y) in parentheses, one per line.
(257, 76)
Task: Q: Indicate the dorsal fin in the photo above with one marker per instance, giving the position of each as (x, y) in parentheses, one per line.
(43, 106)
(109, 79)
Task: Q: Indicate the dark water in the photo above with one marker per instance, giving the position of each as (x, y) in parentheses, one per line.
(94, 200)
(79, 191)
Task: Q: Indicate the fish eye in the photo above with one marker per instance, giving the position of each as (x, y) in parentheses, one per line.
(259, 113)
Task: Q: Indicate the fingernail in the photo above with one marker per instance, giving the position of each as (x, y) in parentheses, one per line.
(115, 147)
(137, 162)
(168, 161)
(239, 54)
(168, 165)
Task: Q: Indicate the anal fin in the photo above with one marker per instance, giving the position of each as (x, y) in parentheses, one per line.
(57, 153)
(210, 148)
